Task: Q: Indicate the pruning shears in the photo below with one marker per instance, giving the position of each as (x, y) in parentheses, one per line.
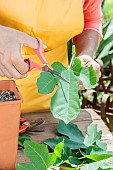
(30, 127)
(45, 68)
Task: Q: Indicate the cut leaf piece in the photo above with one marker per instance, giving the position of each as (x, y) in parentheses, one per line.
(65, 104)
(67, 142)
(74, 139)
(66, 153)
(52, 142)
(58, 149)
(93, 135)
(22, 138)
(74, 161)
(46, 83)
(71, 131)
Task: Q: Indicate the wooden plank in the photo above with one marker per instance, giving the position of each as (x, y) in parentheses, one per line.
(85, 118)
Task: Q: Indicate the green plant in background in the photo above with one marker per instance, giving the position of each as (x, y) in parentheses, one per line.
(70, 151)
(107, 10)
(105, 50)
(105, 53)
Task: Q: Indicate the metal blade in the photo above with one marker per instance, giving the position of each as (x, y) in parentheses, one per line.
(47, 69)
(57, 75)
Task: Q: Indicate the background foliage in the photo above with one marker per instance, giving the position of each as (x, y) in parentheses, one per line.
(107, 10)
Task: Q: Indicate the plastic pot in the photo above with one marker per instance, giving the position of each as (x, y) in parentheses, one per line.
(9, 126)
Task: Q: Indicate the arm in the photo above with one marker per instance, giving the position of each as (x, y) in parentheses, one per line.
(86, 43)
(86, 46)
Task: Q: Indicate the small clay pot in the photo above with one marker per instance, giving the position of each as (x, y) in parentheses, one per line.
(9, 126)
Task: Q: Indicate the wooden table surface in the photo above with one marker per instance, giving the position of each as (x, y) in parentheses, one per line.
(85, 118)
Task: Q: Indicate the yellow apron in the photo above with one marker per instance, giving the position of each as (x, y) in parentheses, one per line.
(55, 22)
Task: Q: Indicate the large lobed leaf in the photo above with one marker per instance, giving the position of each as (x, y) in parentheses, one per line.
(73, 137)
(65, 104)
(71, 131)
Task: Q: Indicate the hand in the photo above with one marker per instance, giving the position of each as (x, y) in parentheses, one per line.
(12, 64)
(86, 62)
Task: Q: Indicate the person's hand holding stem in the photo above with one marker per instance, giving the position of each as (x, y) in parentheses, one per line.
(86, 45)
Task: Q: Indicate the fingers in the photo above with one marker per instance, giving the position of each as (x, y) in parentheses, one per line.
(16, 62)
(11, 72)
(9, 67)
(29, 41)
(19, 64)
(3, 70)
(15, 74)
(86, 60)
(86, 64)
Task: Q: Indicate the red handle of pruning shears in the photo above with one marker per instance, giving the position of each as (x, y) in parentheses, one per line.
(24, 125)
(45, 68)
(39, 53)
(33, 126)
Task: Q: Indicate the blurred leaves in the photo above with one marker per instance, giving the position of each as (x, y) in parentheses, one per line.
(105, 50)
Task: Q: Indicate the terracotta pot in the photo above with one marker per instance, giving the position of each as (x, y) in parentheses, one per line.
(9, 126)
